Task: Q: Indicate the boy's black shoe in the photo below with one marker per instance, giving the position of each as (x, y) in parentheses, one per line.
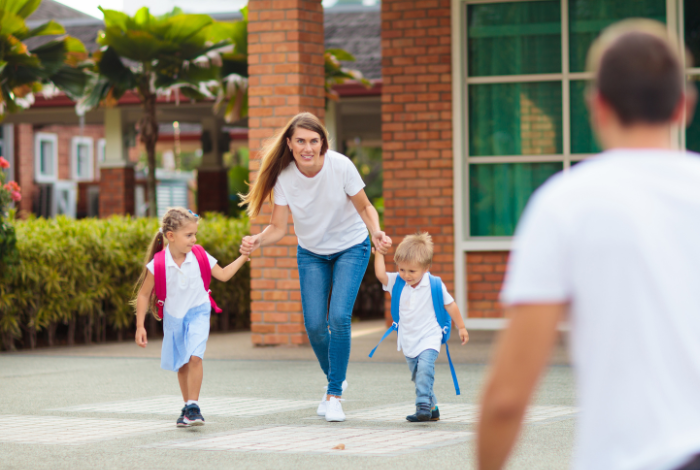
(193, 417)
(435, 414)
(181, 420)
(423, 413)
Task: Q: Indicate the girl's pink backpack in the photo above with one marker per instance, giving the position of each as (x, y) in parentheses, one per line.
(159, 275)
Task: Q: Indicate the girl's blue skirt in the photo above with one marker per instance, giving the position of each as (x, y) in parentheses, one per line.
(184, 337)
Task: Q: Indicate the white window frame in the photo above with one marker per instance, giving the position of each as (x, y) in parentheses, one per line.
(101, 151)
(90, 173)
(460, 111)
(40, 137)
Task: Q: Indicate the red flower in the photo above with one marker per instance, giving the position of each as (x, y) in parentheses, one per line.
(12, 186)
(4, 163)
(16, 196)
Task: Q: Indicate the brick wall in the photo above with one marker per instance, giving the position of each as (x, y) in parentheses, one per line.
(65, 134)
(485, 271)
(24, 156)
(417, 126)
(285, 64)
(24, 165)
(116, 191)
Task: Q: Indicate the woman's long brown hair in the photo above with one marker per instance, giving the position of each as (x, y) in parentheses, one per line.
(173, 220)
(275, 157)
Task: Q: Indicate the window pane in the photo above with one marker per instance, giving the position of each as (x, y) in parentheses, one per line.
(515, 119)
(582, 140)
(82, 162)
(46, 157)
(588, 17)
(514, 38)
(498, 194)
(692, 29)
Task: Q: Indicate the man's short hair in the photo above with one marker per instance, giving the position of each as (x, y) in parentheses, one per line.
(416, 248)
(638, 71)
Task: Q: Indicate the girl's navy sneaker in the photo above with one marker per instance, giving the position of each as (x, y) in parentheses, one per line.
(193, 416)
(181, 420)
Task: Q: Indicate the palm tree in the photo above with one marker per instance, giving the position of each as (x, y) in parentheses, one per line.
(25, 71)
(151, 55)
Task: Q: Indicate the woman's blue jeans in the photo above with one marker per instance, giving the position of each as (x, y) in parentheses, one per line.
(423, 375)
(328, 323)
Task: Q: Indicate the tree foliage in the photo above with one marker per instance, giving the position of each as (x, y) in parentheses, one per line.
(23, 71)
(151, 55)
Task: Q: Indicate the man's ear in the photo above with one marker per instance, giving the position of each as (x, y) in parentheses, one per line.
(689, 102)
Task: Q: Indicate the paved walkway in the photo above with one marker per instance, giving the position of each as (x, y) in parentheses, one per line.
(111, 406)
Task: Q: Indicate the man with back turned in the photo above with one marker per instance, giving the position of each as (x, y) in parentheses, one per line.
(613, 246)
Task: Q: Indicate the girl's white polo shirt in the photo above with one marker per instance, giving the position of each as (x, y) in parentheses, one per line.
(185, 288)
(418, 326)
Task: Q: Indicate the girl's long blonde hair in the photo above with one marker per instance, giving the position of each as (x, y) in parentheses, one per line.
(275, 157)
(173, 220)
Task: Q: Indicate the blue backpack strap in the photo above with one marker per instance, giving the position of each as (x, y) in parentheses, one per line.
(444, 320)
(395, 299)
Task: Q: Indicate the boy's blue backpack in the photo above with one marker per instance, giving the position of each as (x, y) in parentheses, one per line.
(443, 318)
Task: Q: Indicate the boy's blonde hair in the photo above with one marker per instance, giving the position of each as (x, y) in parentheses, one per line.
(416, 248)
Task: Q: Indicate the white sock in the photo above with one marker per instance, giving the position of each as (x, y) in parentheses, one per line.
(191, 402)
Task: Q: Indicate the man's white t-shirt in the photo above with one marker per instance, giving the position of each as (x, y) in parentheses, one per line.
(619, 238)
(418, 326)
(325, 220)
(184, 285)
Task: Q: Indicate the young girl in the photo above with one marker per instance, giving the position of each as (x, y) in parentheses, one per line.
(187, 305)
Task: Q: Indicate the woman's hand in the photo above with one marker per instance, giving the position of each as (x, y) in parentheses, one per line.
(249, 244)
(381, 241)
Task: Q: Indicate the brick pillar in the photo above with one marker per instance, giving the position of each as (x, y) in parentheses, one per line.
(24, 165)
(117, 191)
(285, 65)
(117, 182)
(417, 126)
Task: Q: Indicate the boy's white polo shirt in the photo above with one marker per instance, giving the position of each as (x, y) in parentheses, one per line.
(185, 288)
(418, 327)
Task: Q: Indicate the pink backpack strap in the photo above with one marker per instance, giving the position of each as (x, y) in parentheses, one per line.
(205, 270)
(160, 284)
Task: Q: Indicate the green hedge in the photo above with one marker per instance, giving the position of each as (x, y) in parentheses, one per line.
(77, 276)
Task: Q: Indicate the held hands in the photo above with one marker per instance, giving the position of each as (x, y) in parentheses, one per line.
(141, 335)
(463, 335)
(249, 244)
(382, 242)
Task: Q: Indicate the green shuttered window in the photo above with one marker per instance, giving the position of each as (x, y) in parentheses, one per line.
(525, 97)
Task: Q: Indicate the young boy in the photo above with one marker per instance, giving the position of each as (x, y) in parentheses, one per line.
(419, 334)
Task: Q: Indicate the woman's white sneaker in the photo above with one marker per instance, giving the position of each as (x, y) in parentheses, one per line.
(334, 410)
(321, 410)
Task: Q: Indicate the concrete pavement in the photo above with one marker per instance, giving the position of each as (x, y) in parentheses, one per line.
(111, 406)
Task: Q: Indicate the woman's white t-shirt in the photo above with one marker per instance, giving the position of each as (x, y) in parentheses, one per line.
(185, 288)
(325, 220)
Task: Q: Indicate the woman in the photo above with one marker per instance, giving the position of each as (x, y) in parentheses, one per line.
(332, 214)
